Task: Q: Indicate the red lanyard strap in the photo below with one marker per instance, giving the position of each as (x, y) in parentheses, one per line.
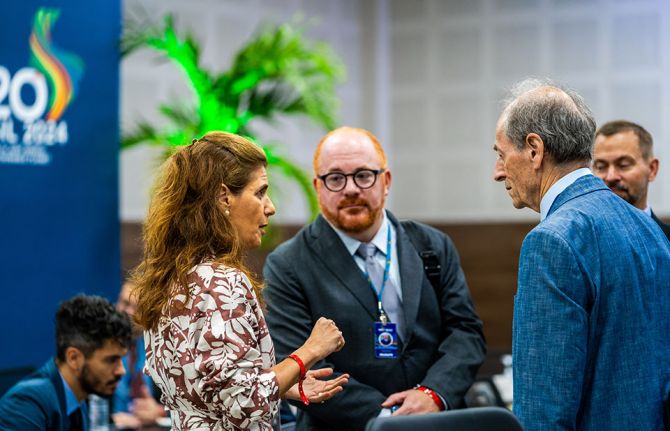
(303, 374)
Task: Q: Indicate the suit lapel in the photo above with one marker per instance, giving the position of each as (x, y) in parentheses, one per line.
(411, 277)
(51, 370)
(329, 249)
(664, 227)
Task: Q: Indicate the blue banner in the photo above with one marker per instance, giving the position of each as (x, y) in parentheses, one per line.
(59, 144)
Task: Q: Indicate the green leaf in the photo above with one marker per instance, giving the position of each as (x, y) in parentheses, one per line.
(277, 72)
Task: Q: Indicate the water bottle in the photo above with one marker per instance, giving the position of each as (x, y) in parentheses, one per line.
(504, 381)
(98, 413)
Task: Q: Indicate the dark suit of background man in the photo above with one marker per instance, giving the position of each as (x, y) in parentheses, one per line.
(318, 272)
(590, 341)
(623, 157)
(91, 339)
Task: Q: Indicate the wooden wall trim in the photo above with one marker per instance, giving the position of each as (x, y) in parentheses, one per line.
(489, 256)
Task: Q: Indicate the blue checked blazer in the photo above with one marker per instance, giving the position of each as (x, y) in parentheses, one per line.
(591, 332)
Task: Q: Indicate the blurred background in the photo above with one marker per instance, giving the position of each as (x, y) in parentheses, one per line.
(426, 76)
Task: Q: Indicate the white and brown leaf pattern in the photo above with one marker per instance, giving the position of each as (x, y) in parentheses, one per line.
(211, 356)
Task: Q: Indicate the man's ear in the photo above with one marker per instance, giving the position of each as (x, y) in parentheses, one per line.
(535, 149)
(653, 169)
(387, 181)
(74, 358)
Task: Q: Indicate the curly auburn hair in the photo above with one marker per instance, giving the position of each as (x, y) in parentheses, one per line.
(186, 223)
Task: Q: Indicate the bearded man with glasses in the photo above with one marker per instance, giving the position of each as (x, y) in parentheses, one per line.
(414, 341)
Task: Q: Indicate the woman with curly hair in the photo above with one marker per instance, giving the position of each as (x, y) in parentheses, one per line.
(207, 344)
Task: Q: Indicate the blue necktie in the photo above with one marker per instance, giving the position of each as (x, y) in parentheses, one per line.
(390, 300)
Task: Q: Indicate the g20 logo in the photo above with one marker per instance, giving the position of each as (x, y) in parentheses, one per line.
(36, 129)
(52, 80)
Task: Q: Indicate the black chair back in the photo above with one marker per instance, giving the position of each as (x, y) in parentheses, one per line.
(10, 376)
(474, 419)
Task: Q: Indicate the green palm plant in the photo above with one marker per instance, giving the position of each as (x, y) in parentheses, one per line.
(278, 71)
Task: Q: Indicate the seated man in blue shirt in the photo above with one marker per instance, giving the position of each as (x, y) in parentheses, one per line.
(91, 339)
(134, 403)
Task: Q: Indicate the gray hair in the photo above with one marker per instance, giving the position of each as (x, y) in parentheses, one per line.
(563, 121)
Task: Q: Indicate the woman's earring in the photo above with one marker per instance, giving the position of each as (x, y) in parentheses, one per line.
(227, 212)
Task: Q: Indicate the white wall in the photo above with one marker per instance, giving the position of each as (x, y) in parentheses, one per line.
(453, 59)
(427, 77)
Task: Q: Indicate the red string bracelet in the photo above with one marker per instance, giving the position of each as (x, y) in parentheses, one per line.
(303, 374)
(431, 393)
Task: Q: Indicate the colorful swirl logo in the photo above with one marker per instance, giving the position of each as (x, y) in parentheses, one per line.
(62, 69)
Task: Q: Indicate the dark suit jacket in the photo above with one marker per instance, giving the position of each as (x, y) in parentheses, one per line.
(36, 403)
(664, 227)
(313, 275)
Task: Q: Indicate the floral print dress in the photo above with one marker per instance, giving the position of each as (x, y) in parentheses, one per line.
(211, 355)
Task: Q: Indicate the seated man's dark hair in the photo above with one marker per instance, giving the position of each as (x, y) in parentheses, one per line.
(87, 322)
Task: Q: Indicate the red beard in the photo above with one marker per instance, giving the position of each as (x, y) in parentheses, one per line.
(352, 220)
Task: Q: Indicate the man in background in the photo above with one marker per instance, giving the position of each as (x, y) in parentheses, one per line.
(414, 343)
(590, 339)
(134, 404)
(91, 339)
(623, 157)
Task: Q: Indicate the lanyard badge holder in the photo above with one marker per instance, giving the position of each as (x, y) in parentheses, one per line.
(386, 338)
(385, 331)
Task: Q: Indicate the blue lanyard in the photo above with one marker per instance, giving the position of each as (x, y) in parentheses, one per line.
(387, 270)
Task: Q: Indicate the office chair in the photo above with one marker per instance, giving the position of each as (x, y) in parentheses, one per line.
(474, 419)
(484, 393)
(10, 376)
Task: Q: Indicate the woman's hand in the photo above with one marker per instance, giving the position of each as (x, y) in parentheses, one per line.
(325, 338)
(317, 390)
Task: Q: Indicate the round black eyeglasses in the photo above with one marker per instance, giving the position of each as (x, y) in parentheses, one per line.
(363, 178)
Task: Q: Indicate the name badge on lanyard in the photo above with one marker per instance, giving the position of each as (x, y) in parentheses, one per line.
(386, 340)
(385, 332)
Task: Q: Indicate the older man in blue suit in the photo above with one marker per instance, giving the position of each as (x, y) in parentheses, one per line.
(592, 312)
(91, 339)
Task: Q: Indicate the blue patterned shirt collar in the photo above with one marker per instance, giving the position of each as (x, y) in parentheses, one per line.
(647, 211)
(558, 187)
(379, 240)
